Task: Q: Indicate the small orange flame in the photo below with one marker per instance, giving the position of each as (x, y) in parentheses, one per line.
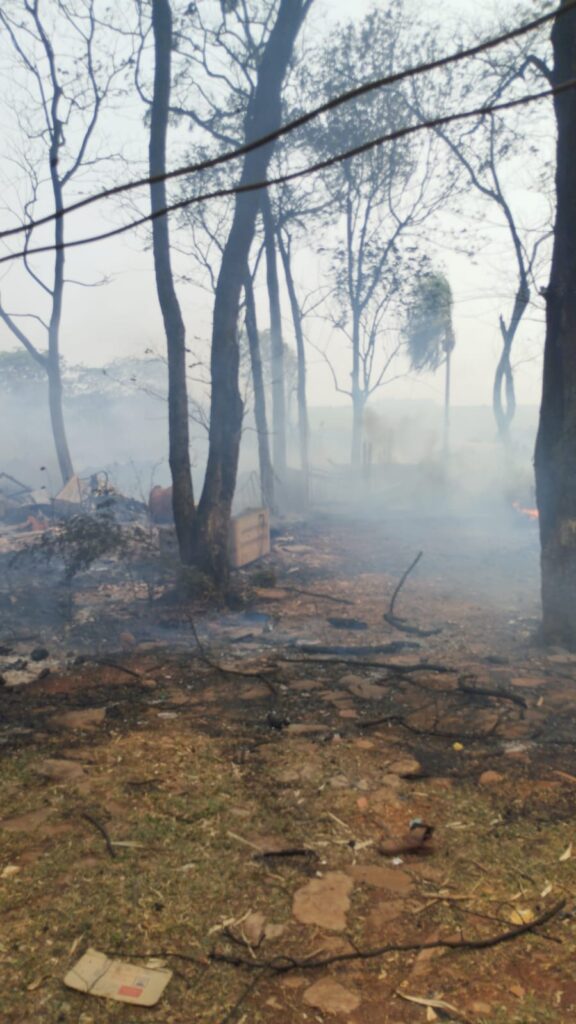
(529, 513)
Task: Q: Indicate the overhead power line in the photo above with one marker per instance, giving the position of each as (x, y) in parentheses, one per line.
(364, 147)
(362, 90)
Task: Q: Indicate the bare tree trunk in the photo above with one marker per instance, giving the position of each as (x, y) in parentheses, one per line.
(276, 343)
(447, 383)
(555, 459)
(263, 116)
(57, 420)
(179, 440)
(303, 423)
(358, 400)
(503, 392)
(57, 294)
(264, 460)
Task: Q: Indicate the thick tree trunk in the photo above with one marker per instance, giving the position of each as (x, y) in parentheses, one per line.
(276, 343)
(555, 459)
(179, 440)
(263, 116)
(264, 460)
(303, 423)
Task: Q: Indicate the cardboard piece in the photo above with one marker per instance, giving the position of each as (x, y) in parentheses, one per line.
(73, 491)
(98, 975)
(249, 537)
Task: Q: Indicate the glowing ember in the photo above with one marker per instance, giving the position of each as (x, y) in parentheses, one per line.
(529, 513)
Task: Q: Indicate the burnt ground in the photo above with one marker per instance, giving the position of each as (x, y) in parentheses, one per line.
(228, 792)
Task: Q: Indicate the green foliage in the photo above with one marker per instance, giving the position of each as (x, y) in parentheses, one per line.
(429, 331)
(86, 537)
(82, 540)
(18, 368)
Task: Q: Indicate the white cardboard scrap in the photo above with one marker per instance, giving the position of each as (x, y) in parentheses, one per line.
(98, 975)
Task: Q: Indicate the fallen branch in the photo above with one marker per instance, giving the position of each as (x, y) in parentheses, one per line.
(313, 593)
(101, 829)
(470, 737)
(402, 581)
(108, 663)
(283, 964)
(485, 692)
(396, 647)
(296, 851)
(216, 667)
(402, 624)
(422, 666)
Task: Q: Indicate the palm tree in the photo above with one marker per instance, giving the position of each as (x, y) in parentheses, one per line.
(429, 333)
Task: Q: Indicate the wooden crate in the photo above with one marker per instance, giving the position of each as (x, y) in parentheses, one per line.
(249, 537)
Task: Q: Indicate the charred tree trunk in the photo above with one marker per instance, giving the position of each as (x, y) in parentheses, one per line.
(264, 460)
(179, 441)
(276, 343)
(303, 423)
(555, 459)
(226, 410)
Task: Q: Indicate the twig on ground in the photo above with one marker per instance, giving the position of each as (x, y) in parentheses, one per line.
(228, 671)
(313, 593)
(293, 851)
(109, 663)
(233, 1011)
(102, 830)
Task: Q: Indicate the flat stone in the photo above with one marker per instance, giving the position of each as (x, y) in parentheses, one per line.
(405, 767)
(255, 692)
(270, 593)
(88, 718)
(383, 913)
(324, 901)
(330, 996)
(490, 778)
(348, 713)
(305, 729)
(29, 822)
(302, 685)
(253, 927)
(362, 688)
(61, 770)
(339, 782)
(528, 681)
(390, 879)
(292, 982)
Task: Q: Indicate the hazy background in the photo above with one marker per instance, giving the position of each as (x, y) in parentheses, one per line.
(121, 318)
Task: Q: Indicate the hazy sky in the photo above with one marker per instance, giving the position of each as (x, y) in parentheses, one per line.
(122, 318)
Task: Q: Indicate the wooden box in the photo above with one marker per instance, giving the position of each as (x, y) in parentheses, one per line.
(249, 537)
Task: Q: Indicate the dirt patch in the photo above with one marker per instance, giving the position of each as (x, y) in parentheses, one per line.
(209, 809)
